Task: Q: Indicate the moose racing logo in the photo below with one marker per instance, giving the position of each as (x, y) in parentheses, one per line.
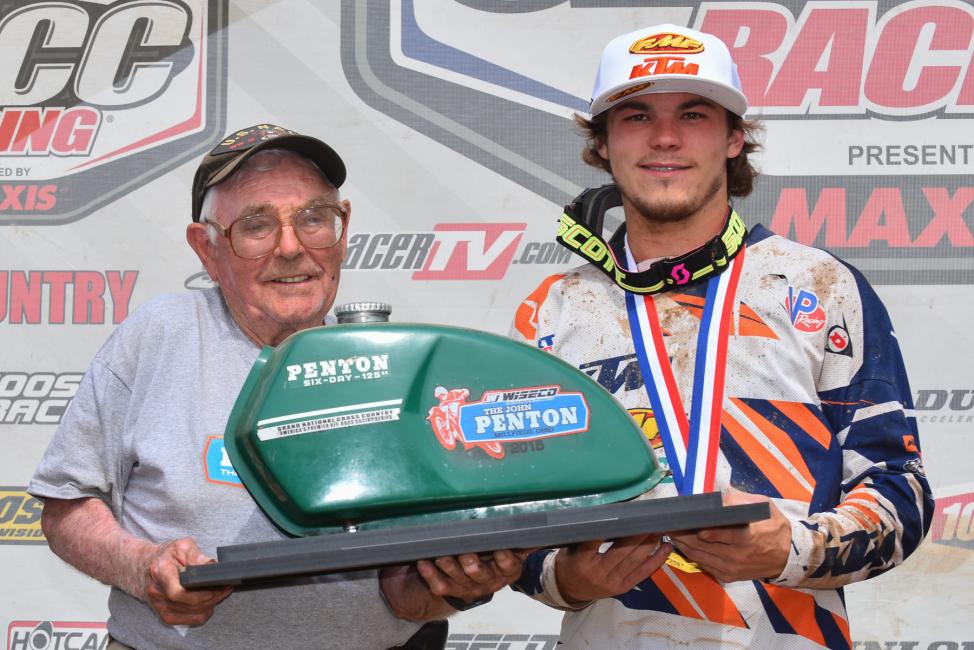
(97, 97)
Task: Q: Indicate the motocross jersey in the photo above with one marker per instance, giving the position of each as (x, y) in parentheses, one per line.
(814, 417)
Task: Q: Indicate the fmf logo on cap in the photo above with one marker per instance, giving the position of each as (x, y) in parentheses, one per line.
(666, 43)
(98, 98)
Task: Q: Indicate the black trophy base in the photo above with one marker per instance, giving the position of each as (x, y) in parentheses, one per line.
(257, 563)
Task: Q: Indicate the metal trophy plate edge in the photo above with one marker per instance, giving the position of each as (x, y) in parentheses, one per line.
(338, 552)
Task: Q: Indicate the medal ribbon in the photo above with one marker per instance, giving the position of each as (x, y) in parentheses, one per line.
(691, 445)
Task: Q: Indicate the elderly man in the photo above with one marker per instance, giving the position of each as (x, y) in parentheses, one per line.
(769, 369)
(128, 500)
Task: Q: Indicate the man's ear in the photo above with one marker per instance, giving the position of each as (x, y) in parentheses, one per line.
(198, 237)
(348, 219)
(735, 143)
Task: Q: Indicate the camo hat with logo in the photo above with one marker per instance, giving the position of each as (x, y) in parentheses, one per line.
(667, 59)
(226, 157)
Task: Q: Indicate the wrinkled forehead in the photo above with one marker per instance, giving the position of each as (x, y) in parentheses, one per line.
(272, 179)
(282, 161)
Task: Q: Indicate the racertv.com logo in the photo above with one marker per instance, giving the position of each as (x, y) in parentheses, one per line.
(99, 96)
(452, 251)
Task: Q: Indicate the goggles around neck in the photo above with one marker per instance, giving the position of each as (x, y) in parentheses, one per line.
(581, 225)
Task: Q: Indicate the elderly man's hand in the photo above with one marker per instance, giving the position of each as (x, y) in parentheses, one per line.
(470, 577)
(584, 574)
(753, 552)
(164, 593)
(416, 591)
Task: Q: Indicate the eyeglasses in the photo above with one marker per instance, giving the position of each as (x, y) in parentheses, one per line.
(257, 235)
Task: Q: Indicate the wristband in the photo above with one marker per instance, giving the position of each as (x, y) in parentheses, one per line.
(463, 605)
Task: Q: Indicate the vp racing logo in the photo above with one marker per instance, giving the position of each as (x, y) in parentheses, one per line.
(505, 416)
(99, 97)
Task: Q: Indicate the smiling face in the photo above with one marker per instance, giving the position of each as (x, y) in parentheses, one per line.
(668, 154)
(293, 287)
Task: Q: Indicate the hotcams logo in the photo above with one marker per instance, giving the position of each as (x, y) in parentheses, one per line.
(36, 397)
(97, 96)
(20, 517)
(56, 635)
(453, 251)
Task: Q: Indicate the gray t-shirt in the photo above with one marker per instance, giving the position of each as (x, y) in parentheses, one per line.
(144, 434)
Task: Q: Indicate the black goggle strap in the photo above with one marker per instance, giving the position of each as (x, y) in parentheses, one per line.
(581, 223)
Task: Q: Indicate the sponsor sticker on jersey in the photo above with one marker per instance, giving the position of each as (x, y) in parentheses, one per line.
(217, 464)
(20, 517)
(804, 310)
(838, 340)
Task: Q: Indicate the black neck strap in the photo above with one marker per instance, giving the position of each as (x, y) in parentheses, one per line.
(580, 228)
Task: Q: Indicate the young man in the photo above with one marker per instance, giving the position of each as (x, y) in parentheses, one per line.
(127, 499)
(769, 369)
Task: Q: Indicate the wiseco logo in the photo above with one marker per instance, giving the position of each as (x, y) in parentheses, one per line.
(89, 88)
(666, 43)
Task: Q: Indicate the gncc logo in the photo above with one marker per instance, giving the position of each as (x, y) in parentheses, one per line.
(453, 251)
(56, 635)
(96, 96)
(20, 517)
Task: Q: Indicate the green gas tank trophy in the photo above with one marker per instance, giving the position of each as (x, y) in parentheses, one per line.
(377, 442)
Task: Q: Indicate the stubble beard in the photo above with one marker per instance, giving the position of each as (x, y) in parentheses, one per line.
(662, 209)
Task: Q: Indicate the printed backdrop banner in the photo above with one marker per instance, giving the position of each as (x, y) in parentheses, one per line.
(454, 119)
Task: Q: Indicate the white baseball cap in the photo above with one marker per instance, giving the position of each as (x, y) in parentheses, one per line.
(667, 59)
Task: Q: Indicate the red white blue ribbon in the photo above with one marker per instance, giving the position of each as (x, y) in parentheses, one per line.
(691, 444)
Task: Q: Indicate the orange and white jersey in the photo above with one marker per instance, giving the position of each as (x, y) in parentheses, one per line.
(814, 417)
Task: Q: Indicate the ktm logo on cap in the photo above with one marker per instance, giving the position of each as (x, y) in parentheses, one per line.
(666, 42)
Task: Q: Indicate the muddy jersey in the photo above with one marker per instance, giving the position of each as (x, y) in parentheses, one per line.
(814, 417)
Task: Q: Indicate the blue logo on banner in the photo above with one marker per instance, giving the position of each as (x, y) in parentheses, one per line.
(218, 467)
(523, 414)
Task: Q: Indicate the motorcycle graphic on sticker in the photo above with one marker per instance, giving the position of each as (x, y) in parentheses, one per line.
(501, 416)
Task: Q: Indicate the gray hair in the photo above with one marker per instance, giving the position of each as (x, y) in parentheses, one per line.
(260, 162)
